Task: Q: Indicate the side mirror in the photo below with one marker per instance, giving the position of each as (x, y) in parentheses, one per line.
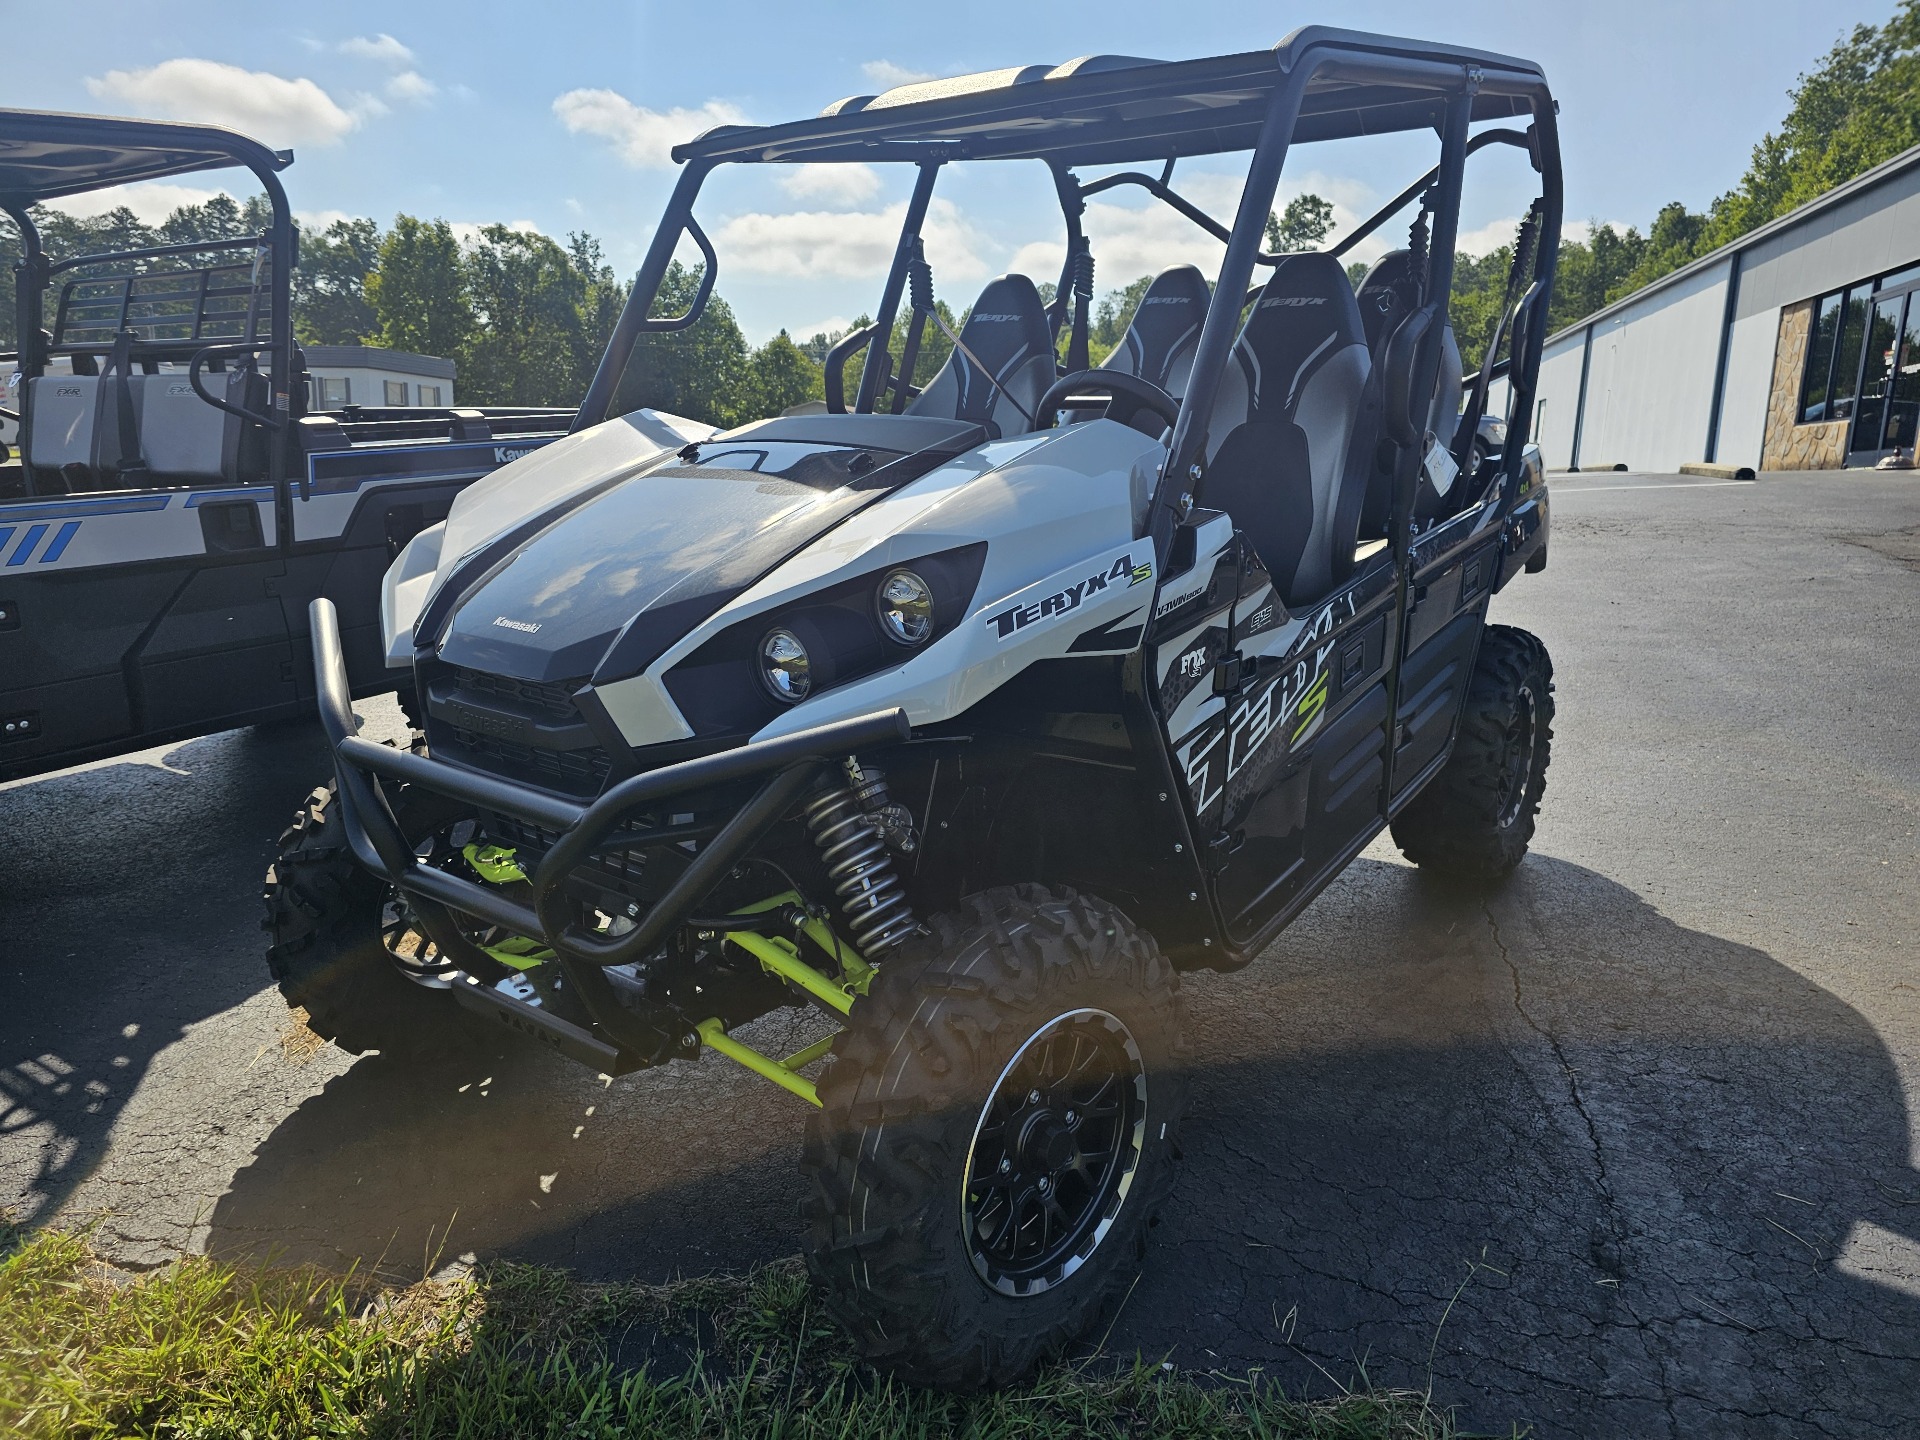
(1411, 363)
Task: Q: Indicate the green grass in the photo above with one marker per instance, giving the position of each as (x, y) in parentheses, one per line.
(205, 1349)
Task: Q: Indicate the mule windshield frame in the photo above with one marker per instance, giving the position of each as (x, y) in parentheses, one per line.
(1317, 84)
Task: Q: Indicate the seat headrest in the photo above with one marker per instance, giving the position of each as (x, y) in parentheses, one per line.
(1389, 292)
(1304, 314)
(1166, 322)
(1007, 323)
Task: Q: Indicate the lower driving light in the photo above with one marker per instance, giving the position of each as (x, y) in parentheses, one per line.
(784, 668)
(906, 608)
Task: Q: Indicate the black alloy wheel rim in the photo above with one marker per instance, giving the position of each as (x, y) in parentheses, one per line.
(1518, 779)
(1054, 1153)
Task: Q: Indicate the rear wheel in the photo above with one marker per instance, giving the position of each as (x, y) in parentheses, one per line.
(1475, 818)
(998, 1129)
(325, 917)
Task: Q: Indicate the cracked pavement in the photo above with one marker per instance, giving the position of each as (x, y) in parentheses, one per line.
(1623, 1147)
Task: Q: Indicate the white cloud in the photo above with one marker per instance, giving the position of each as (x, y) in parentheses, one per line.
(364, 107)
(413, 86)
(314, 221)
(1135, 238)
(383, 48)
(467, 232)
(643, 138)
(1144, 237)
(886, 74)
(817, 244)
(150, 202)
(832, 325)
(836, 184)
(1581, 231)
(256, 102)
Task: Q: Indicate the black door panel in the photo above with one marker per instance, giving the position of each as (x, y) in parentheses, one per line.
(1433, 684)
(66, 716)
(1349, 764)
(219, 656)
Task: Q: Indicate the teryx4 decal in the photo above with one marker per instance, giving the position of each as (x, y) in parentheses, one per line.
(1016, 618)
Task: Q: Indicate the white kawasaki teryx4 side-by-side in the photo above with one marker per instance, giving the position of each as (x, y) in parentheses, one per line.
(974, 710)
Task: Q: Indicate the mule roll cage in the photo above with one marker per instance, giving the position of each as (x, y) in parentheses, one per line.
(46, 156)
(1317, 84)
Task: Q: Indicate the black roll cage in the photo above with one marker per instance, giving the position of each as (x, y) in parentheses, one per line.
(1316, 84)
(46, 155)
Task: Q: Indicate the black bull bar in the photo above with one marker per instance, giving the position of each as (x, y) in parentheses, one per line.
(791, 764)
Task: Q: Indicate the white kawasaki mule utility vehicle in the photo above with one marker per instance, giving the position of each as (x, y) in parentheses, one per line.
(975, 710)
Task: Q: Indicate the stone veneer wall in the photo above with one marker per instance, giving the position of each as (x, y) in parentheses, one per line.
(1789, 446)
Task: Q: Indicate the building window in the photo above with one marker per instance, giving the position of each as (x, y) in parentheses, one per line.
(333, 393)
(1833, 355)
(1818, 387)
(396, 393)
(1829, 389)
(430, 395)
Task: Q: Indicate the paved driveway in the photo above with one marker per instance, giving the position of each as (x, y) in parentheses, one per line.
(1625, 1147)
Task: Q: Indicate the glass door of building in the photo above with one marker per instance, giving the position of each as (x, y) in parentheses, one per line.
(1887, 415)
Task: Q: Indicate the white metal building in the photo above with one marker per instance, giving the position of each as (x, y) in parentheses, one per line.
(1792, 348)
(378, 379)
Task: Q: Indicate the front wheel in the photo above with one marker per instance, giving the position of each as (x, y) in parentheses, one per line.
(1474, 820)
(329, 923)
(999, 1127)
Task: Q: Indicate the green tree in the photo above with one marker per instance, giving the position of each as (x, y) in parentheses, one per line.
(330, 305)
(1677, 236)
(603, 297)
(779, 375)
(418, 290)
(1115, 312)
(220, 218)
(526, 296)
(1590, 273)
(1303, 225)
(1479, 288)
(696, 372)
(1859, 107)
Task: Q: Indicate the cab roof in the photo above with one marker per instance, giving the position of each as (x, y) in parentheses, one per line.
(45, 154)
(1112, 109)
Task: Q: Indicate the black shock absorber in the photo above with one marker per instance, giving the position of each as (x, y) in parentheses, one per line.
(851, 823)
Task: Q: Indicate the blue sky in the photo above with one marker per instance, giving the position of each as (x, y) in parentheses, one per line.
(558, 117)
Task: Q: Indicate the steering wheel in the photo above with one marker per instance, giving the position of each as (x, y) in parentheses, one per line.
(1127, 395)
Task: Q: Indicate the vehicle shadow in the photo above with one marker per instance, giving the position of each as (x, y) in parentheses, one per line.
(120, 931)
(1565, 1162)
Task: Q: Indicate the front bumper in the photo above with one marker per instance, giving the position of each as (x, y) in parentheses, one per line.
(791, 764)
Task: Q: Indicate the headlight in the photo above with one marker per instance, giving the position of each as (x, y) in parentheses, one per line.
(784, 667)
(906, 608)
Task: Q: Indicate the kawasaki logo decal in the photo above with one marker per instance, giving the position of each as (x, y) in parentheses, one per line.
(1064, 602)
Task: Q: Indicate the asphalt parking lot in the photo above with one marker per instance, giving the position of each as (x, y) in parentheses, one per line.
(1626, 1147)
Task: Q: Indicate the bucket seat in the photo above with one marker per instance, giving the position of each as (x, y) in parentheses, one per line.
(1163, 332)
(1007, 333)
(1295, 426)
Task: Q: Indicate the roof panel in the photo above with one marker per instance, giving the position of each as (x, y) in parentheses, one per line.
(1110, 109)
(45, 155)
